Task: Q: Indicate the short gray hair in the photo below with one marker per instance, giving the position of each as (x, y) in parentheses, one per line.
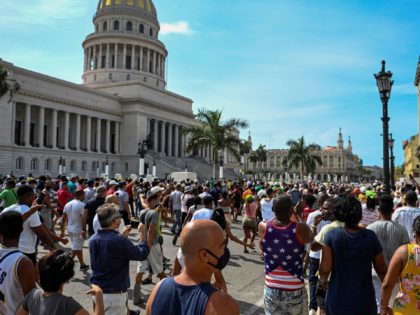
(107, 213)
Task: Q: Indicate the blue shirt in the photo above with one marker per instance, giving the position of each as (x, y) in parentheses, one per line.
(110, 255)
(350, 291)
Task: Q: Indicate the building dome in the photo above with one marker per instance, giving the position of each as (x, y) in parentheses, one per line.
(141, 6)
(125, 45)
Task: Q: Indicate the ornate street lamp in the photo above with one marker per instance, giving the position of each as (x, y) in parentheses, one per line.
(154, 168)
(60, 166)
(384, 83)
(142, 148)
(107, 167)
(221, 164)
(391, 147)
(186, 166)
(97, 169)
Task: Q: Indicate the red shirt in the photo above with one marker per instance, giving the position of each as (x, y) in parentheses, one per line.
(129, 190)
(63, 196)
(306, 213)
(110, 192)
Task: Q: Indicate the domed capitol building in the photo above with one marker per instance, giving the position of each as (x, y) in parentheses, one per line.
(50, 125)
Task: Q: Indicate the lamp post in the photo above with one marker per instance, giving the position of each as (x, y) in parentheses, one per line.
(186, 166)
(221, 165)
(154, 168)
(97, 169)
(384, 83)
(64, 166)
(107, 168)
(141, 151)
(60, 166)
(391, 147)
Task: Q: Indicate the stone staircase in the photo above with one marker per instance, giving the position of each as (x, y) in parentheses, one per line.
(204, 170)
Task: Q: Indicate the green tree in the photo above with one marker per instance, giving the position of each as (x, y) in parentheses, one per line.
(221, 135)
(258, 156)
(305, 157)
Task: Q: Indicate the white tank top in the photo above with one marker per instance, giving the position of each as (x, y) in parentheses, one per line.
(11, 294)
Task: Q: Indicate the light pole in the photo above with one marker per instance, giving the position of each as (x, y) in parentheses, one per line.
(60, 166)
(107, 168)
(384, 83)
(391, 147)
(64, 166)
(97, 169)
(221, 165)
(154, 168)
(186, 166)
(142, 148)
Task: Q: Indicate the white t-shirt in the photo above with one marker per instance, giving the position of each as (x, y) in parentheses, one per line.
(74, 210)
(202, 214)
(97, 225)
(310, 221)
(405, 216)
(267, 209)
(27, 241)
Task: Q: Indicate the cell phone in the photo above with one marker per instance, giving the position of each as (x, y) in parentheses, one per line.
(40, 199)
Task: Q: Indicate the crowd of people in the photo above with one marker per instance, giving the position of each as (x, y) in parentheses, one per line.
(355, 248)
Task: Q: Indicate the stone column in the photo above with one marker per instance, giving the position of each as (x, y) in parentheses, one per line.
(170, 152)
(176, 151)
(88, 133)
(107, 55)
(141, 59)
(27, 128)
(155, 136)
(41, 123)
(182, 153)
(94, 58)
(133, 59)
(98, 135)
(116, 56)
(148, 61)
(163, 138)
(108, 136)
(54, 129)
(78, 126)
(125, 56)
(100, 56)
(66, 130)
(117, 137)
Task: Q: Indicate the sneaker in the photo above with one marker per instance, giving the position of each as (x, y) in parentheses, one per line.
(312, 312)
(174, 240)
(137, 299)
(84, 267)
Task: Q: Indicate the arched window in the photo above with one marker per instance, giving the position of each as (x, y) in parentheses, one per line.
(20, 163)
(84, 166)
(34, 164)
(151, 32)
(141, 28)
(105, 26)
(96, 27)
(129, 26)
(47, 165)
(73, 166)
(116, 25)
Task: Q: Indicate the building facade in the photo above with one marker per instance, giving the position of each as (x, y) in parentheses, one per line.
(339, 164)
(50, 125)
(412, 146)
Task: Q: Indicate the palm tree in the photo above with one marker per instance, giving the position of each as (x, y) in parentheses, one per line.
(212, 131)
(261, 153)
(304, 156)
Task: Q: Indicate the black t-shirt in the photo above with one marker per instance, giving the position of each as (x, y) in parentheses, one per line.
(92, 206)
(36, 303)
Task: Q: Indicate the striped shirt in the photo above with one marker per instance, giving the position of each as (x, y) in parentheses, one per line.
(283, 257)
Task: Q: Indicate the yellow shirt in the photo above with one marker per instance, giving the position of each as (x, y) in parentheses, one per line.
(408, 298)
(320, 237)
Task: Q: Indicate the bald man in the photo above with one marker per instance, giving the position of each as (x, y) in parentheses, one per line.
(204, 247)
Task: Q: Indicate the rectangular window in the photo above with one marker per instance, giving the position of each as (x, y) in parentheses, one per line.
(32, 134)
(45, 140)
(128, 62)
(126, 167)
(103, 62)
(18, 132)
(113, 61)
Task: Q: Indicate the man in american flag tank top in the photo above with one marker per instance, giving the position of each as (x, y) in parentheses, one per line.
(283, 248)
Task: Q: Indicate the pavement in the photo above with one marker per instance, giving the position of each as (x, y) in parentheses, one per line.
(244, 275)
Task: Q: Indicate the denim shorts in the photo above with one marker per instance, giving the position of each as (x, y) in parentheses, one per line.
(279, 302)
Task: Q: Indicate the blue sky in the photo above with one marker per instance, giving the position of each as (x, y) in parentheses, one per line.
(290, 67)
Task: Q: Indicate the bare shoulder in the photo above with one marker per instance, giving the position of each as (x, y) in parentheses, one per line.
(221, 303)
(152, 297)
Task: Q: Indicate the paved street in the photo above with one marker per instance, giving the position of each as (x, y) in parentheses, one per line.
(244, 276)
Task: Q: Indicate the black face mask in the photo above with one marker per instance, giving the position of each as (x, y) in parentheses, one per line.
(222, 261)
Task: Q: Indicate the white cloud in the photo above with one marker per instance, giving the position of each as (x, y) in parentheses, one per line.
(42, 12)
(181, 27)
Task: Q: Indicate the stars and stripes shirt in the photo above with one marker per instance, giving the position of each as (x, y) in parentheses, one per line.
(283, 257)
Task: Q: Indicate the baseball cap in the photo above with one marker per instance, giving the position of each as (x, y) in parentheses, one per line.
(113, 182)
(154, 191)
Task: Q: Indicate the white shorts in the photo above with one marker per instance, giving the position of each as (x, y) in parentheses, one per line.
(154, 261)
(115, 304)
(76, 241)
